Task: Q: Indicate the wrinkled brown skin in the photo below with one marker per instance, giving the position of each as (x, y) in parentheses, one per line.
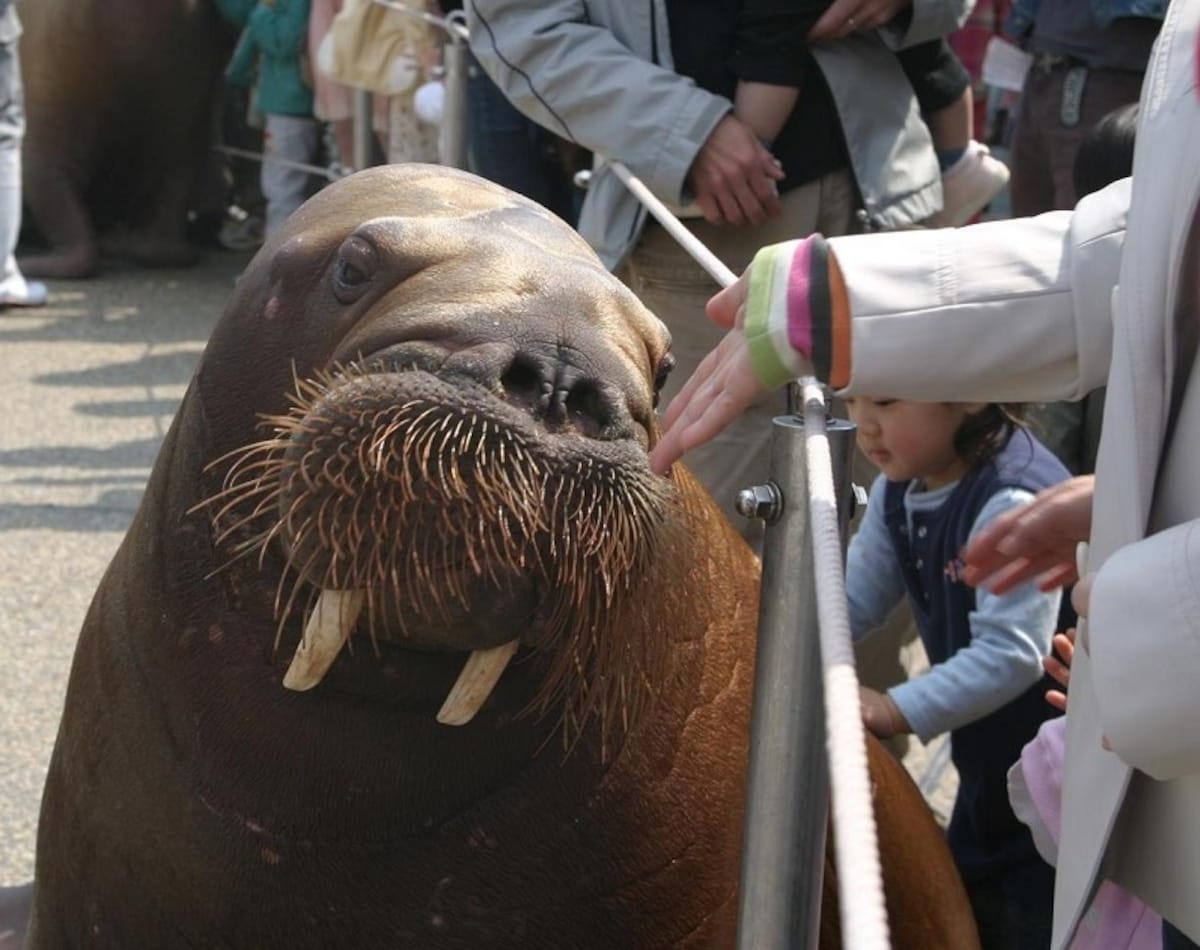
(192, 801)
(120, 100)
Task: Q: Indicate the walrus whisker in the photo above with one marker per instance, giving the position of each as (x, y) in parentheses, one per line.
(250, 449)
(243, 550)
(267, 502)
(235, 491)
(261, 454)
(302, 573)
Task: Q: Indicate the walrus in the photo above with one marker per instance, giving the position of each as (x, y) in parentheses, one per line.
(121, 99)
(406, 646)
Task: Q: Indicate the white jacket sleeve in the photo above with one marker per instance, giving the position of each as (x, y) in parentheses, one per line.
(1007, 311)
(1147, 697)
(580, 81)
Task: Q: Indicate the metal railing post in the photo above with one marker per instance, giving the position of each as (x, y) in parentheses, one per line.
(455, 65)
(787, 796)
(363, 130)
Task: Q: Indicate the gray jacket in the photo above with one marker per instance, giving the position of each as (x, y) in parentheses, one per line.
(599, 72)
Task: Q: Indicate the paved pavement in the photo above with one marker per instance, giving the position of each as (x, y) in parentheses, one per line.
(88, 387)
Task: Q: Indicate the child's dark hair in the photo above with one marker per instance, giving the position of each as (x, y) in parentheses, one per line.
(1105, 154)
(982, 435)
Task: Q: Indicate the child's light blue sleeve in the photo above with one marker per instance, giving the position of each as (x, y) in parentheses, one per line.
(874, 583)
(1010, 633)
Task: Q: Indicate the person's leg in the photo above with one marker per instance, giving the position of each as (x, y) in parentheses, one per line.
(950, 127)
(15, 290)
(987, 905)
(512, 150)
(942, 86)
(289, 139)
(1032, 185)
(971, 176)
(1103, 91)
(1044, 180)
(1014, 911)
(1050, 129)
(1029, 905)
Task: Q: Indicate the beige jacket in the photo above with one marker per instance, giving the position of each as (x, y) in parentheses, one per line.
(1031, 310)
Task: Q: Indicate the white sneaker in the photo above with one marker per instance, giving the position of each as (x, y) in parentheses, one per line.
(24, 293)
(968, 185)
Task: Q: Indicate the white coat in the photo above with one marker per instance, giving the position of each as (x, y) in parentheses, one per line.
(1031, 310)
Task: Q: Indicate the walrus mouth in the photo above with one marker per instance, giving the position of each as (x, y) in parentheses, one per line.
(429, 505)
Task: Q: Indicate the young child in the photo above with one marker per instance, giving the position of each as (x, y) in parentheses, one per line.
(948, 469)
(769, 61)
(268, 57)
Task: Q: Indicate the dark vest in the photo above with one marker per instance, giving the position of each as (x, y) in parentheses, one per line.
(984, 834)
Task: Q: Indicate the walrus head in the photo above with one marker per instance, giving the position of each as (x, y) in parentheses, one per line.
(453, 458)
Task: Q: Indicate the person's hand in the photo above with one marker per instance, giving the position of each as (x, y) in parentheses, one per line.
(734, 176)
(1058, 667)
(722, 386)
(881, 715)
(1037, 540)
(721, 389)
(849, 16)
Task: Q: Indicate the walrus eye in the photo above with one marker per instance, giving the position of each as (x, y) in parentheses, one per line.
(352, 273)
(661, 374)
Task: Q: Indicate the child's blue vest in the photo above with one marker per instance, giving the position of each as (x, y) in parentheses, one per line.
(984, 834)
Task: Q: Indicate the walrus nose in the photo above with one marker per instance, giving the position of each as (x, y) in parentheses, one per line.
(561, 394)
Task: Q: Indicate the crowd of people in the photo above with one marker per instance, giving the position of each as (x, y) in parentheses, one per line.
(1028, 428)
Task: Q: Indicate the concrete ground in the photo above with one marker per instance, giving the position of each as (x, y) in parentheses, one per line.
(88, 386)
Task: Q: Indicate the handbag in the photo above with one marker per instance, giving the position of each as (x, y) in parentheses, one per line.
(370, 46)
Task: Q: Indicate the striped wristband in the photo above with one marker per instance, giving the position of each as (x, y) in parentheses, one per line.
(797, 316)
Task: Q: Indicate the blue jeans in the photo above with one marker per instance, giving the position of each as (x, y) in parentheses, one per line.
(514, 151)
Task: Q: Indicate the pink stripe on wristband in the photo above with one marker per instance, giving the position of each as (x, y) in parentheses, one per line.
(799, 313)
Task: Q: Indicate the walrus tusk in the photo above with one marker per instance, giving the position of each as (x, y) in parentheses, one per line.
(475, 683)
(328, 628)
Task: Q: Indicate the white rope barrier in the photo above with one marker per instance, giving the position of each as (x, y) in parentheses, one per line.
(860, 880)
(693, 245)
(864, 917)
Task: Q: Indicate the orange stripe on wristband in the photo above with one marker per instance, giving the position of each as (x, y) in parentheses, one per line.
(839, 343)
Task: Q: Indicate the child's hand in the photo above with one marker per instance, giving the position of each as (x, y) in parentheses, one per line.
(881, 715)
(1058, 669)
(720, 389)
(1037, 540)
